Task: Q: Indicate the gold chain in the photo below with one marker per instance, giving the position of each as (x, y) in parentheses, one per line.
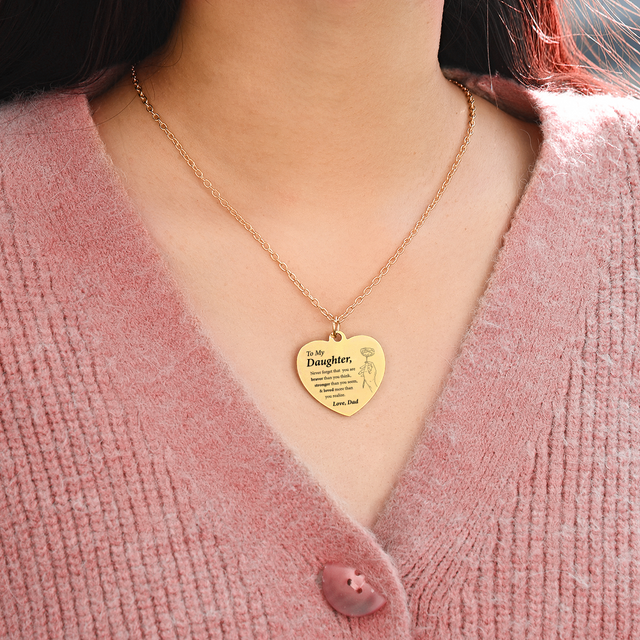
(336, 320)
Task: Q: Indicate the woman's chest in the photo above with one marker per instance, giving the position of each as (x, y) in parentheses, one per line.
(258, 322)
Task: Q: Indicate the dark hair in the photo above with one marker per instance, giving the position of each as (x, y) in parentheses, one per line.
(526, 40)
(47, 44)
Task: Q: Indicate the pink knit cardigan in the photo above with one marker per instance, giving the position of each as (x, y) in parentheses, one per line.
(142, 495)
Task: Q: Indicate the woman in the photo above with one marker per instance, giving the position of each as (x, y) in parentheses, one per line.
(172, 465)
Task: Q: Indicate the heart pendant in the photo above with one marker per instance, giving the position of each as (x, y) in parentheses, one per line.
(342, 374)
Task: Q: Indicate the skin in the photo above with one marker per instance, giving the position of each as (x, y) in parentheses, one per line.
(329, 125)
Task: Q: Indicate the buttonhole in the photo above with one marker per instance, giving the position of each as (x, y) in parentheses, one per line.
(350, 582)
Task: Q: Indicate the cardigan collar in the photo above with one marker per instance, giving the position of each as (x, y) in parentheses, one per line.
(481, 436)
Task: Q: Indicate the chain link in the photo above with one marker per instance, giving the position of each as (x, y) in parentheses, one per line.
(267, 247)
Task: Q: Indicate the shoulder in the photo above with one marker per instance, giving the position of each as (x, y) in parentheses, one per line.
(51, 120)
(595, 137)
(599, 128)
(589, 164)
(43, 138)
(57, 184)
(582, 202)
(564, 114)
(36, 114)
(49, 152)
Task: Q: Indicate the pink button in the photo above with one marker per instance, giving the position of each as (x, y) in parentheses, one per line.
(348, 592)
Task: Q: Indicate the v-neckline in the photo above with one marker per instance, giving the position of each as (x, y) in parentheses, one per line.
(467, 451)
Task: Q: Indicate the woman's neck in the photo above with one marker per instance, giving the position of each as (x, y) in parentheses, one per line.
(300, 96)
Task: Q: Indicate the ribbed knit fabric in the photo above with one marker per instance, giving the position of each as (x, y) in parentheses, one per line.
(142, 495)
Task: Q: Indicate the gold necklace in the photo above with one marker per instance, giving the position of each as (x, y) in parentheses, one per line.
(341, 373)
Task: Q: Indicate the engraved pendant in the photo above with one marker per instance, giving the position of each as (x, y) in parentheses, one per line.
(342, 374)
